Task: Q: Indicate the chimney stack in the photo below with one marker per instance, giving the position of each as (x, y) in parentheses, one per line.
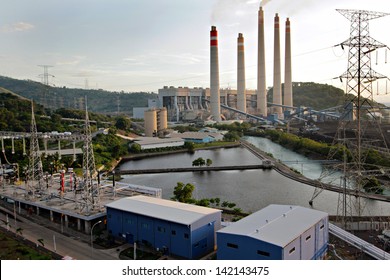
(261, 84)
(214, 75)
(241, 95)
(288, 98)
(277, 94)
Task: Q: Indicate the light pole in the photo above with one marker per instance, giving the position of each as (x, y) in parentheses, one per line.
(98, 222)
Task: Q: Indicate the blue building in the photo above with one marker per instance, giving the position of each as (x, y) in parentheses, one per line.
(277, 232)
(179, 229)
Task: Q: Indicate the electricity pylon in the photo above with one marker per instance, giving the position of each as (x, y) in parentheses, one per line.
(352, 138)
(91, 193)
(35, 182)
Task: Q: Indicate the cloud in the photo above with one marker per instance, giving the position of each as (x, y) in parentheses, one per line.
(17, 27)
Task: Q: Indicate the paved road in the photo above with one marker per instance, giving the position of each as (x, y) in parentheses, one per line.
(65, 246)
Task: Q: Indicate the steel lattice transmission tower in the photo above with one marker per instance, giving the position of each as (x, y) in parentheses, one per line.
(91, 190)
(358, 118)
(353, 142)
(35, 180)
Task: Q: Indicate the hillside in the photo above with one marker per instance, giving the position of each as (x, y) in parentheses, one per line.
(100, 101)
(316, 96)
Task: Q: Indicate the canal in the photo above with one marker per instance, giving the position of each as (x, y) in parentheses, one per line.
(251, 190)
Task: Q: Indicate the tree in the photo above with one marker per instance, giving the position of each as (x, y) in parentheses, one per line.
(372, 185)
(209, 162)
(135, 148)
(123, 123)
(190, 146)
(199, 162)
(183, 193)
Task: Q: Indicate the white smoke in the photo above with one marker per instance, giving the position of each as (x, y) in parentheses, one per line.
(264, 2)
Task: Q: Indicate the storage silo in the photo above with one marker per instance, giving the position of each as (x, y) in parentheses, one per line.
(150, 118)
(162, 120)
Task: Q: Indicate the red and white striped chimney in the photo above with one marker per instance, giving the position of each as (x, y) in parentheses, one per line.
(261, 84)
(214, 75)
(241, 94)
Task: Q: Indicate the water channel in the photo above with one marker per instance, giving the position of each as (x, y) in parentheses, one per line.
(251, 190)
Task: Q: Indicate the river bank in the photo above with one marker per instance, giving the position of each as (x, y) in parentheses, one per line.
(156, 154)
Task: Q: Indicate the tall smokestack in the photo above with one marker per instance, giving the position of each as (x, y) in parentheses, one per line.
(288, 98)
(214, 75)
(241, 95)
(277, 96)
(261, 85)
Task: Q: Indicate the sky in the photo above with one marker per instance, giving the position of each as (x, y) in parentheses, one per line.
(143, 45)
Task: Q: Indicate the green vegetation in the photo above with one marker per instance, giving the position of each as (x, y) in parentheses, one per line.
(99, 100)
(108, 147)
(183, 193)
(311, 148)
(201, 162)
(372, 185)
(13, 249)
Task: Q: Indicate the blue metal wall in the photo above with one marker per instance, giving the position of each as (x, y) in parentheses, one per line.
(175, 238)
(238, 247)
(203, 240)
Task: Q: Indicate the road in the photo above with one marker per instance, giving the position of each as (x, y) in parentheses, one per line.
(73, 246)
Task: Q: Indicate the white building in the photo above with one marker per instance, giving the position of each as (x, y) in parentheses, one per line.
(277, 232)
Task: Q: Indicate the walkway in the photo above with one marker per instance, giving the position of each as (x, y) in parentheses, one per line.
(194, 169)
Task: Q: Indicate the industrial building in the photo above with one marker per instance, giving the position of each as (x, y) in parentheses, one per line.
(155, 143)
(175, 228)
(277, 232)
(186, 104)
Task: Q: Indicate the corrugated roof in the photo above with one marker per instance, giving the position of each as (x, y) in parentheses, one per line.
(276, 224)
(154, 140)
(163, 209)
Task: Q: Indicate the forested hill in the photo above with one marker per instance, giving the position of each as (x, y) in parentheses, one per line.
(316, 96)
(15, 115)
(100, 101)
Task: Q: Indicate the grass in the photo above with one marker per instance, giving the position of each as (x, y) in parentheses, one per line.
(12, 249)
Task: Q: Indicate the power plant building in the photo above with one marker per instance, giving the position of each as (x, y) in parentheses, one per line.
(183, 103)
(277, 232)
(175, 228)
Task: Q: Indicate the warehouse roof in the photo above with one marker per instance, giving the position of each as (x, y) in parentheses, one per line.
(276, 224)
(163, 209)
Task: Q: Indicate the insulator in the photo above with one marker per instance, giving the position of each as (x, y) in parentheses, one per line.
(376, 57)
(13, 146)
(59, 149)
(45, 144)
(24, 146)
(377, 87)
